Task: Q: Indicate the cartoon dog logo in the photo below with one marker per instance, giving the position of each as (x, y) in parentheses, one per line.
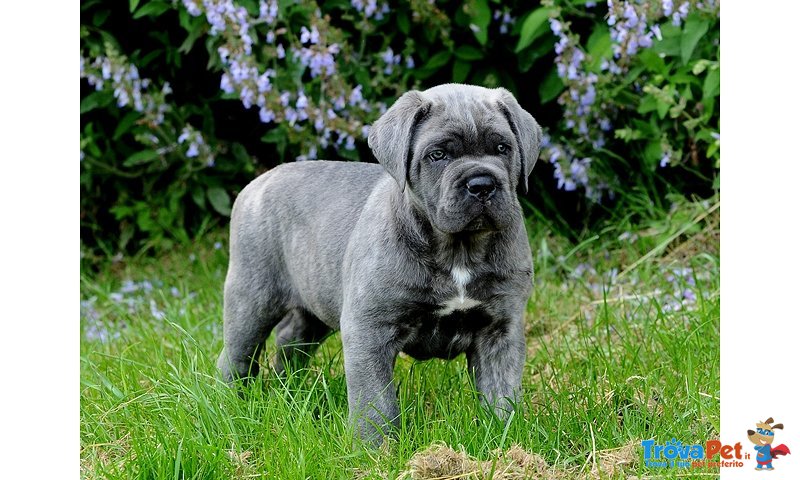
(763, 437)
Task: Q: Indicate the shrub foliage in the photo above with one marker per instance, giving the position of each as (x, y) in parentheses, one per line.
(183, 102)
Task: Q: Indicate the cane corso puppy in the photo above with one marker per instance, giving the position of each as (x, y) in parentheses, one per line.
(425, 253)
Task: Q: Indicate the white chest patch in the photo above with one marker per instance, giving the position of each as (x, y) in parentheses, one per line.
(461, 277)
(457, 303)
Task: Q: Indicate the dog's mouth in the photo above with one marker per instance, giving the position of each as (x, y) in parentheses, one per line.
(481, 222)
(477, 219)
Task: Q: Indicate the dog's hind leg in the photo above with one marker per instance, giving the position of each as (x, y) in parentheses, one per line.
(249, 317)
(297, 336)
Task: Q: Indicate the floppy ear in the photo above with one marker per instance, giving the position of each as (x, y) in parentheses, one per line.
(527, 132)
(778, 426)
(391, 137)
(769, 420)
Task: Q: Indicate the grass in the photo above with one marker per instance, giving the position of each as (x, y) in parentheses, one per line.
(615, 356)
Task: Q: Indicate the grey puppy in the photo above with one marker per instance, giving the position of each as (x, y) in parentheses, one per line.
(425, 253)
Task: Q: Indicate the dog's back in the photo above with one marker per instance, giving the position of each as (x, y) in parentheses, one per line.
(289, 231)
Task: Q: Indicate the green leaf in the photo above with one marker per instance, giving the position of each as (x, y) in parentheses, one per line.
(648, 104)
(534, 26)
(134, 4)
(460, 71)
(670, 43)
(192, 37)
(480, 16)
(550, 87)
(152, 9)
(138, 158)
(125, 124)
(693, 31)
(653, 153)
(711, 84)
(100, 17)
(662, 108)
(692, 124)
(199, 197)
(278, 137)
(468, 52)
(598, 46)
(434, 64)
(95, 100)
(240, 153)
(482, 36)
(273, 136)
(676, 110)
(700, 66)
(220, 200)
(653, 62)
(528, 57)
(403, 23)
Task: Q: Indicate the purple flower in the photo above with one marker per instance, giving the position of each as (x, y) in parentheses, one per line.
(689, 295)
(555, 26)
(371, 8)
(263, 84)
(192, 151)
(680, 14)
(355, 96)
(192, 8)
(266, 115)
(290, 115)
(158, 314)
(302, 101)
(309, 36)
(268, 11)
(656, 29)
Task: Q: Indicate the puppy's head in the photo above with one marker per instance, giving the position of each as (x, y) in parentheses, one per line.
(764, 433)
(461, 151)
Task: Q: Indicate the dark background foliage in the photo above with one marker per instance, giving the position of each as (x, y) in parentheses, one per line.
(137, 197)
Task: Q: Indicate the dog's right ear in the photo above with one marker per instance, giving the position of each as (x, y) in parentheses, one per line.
(392, 136)
(778, 426)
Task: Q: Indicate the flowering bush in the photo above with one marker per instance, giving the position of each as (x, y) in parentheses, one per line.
(643, 78)
(184, 102)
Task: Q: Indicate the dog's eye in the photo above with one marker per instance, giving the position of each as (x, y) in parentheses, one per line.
(437, 155)
(502, 148)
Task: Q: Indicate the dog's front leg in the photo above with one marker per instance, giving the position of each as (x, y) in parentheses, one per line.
(496, 360)
(369, 357)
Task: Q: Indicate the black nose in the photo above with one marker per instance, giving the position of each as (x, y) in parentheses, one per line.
(481, 187)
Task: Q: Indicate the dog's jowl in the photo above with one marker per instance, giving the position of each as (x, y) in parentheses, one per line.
(425, 253)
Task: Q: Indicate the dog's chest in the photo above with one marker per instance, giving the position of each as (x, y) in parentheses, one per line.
(449, 322)
(456, 298)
